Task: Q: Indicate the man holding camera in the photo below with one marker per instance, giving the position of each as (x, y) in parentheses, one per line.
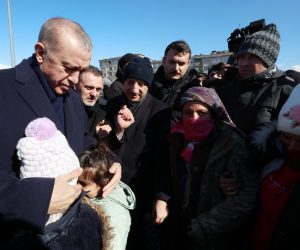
(257, 93)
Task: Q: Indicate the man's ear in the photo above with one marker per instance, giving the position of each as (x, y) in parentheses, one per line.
(40, 52)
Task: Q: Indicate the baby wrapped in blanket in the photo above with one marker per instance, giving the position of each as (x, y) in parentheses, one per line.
(45, 152)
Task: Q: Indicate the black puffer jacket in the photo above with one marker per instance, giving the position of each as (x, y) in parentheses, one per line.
(257, 100)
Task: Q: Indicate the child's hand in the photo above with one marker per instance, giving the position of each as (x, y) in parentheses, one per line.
(115, 169)
(161, 211)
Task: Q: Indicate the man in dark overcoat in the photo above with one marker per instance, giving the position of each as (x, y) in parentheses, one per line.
(140, 127)
(41, 86)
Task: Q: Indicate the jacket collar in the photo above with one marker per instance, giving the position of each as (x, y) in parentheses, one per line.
(159, 77)
(31, 90)
(264, 77)
(34, 95)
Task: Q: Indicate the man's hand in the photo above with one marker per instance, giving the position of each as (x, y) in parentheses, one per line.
(63, 193)
(115, 169)
(124, 119)
(161, 211)
(102, 129)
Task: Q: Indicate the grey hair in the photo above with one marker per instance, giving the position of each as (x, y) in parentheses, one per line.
(92, 69)
(55, 27)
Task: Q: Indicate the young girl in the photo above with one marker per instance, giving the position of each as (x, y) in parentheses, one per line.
(95, 176)
(276, 224)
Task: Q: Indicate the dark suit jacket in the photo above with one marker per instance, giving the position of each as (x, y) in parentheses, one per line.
(22, 99)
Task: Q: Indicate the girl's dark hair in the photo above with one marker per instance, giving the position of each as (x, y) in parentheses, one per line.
(96, 164)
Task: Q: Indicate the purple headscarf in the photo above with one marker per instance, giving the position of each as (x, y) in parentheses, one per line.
(210, 98)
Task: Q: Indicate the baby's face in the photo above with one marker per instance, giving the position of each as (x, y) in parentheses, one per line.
(91, 188)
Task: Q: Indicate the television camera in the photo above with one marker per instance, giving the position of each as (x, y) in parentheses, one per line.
(238, 36)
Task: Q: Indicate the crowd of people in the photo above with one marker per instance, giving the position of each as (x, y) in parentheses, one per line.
(176, 159)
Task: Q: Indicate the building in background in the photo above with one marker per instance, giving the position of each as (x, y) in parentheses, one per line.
(201, 63)
(109, 67)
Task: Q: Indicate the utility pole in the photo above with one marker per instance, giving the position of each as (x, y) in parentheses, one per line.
(12, 54)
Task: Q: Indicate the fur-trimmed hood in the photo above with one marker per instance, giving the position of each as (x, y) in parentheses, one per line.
(107, 230)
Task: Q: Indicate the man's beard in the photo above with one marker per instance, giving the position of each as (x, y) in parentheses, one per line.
(90, 104)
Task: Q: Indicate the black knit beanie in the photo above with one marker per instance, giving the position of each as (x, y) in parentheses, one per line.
(140, 69)
(122, 63)
(265, 44)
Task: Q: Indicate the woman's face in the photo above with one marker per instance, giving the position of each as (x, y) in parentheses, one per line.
(196, 110)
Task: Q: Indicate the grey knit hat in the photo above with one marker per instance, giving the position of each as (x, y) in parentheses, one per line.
(265, 44)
